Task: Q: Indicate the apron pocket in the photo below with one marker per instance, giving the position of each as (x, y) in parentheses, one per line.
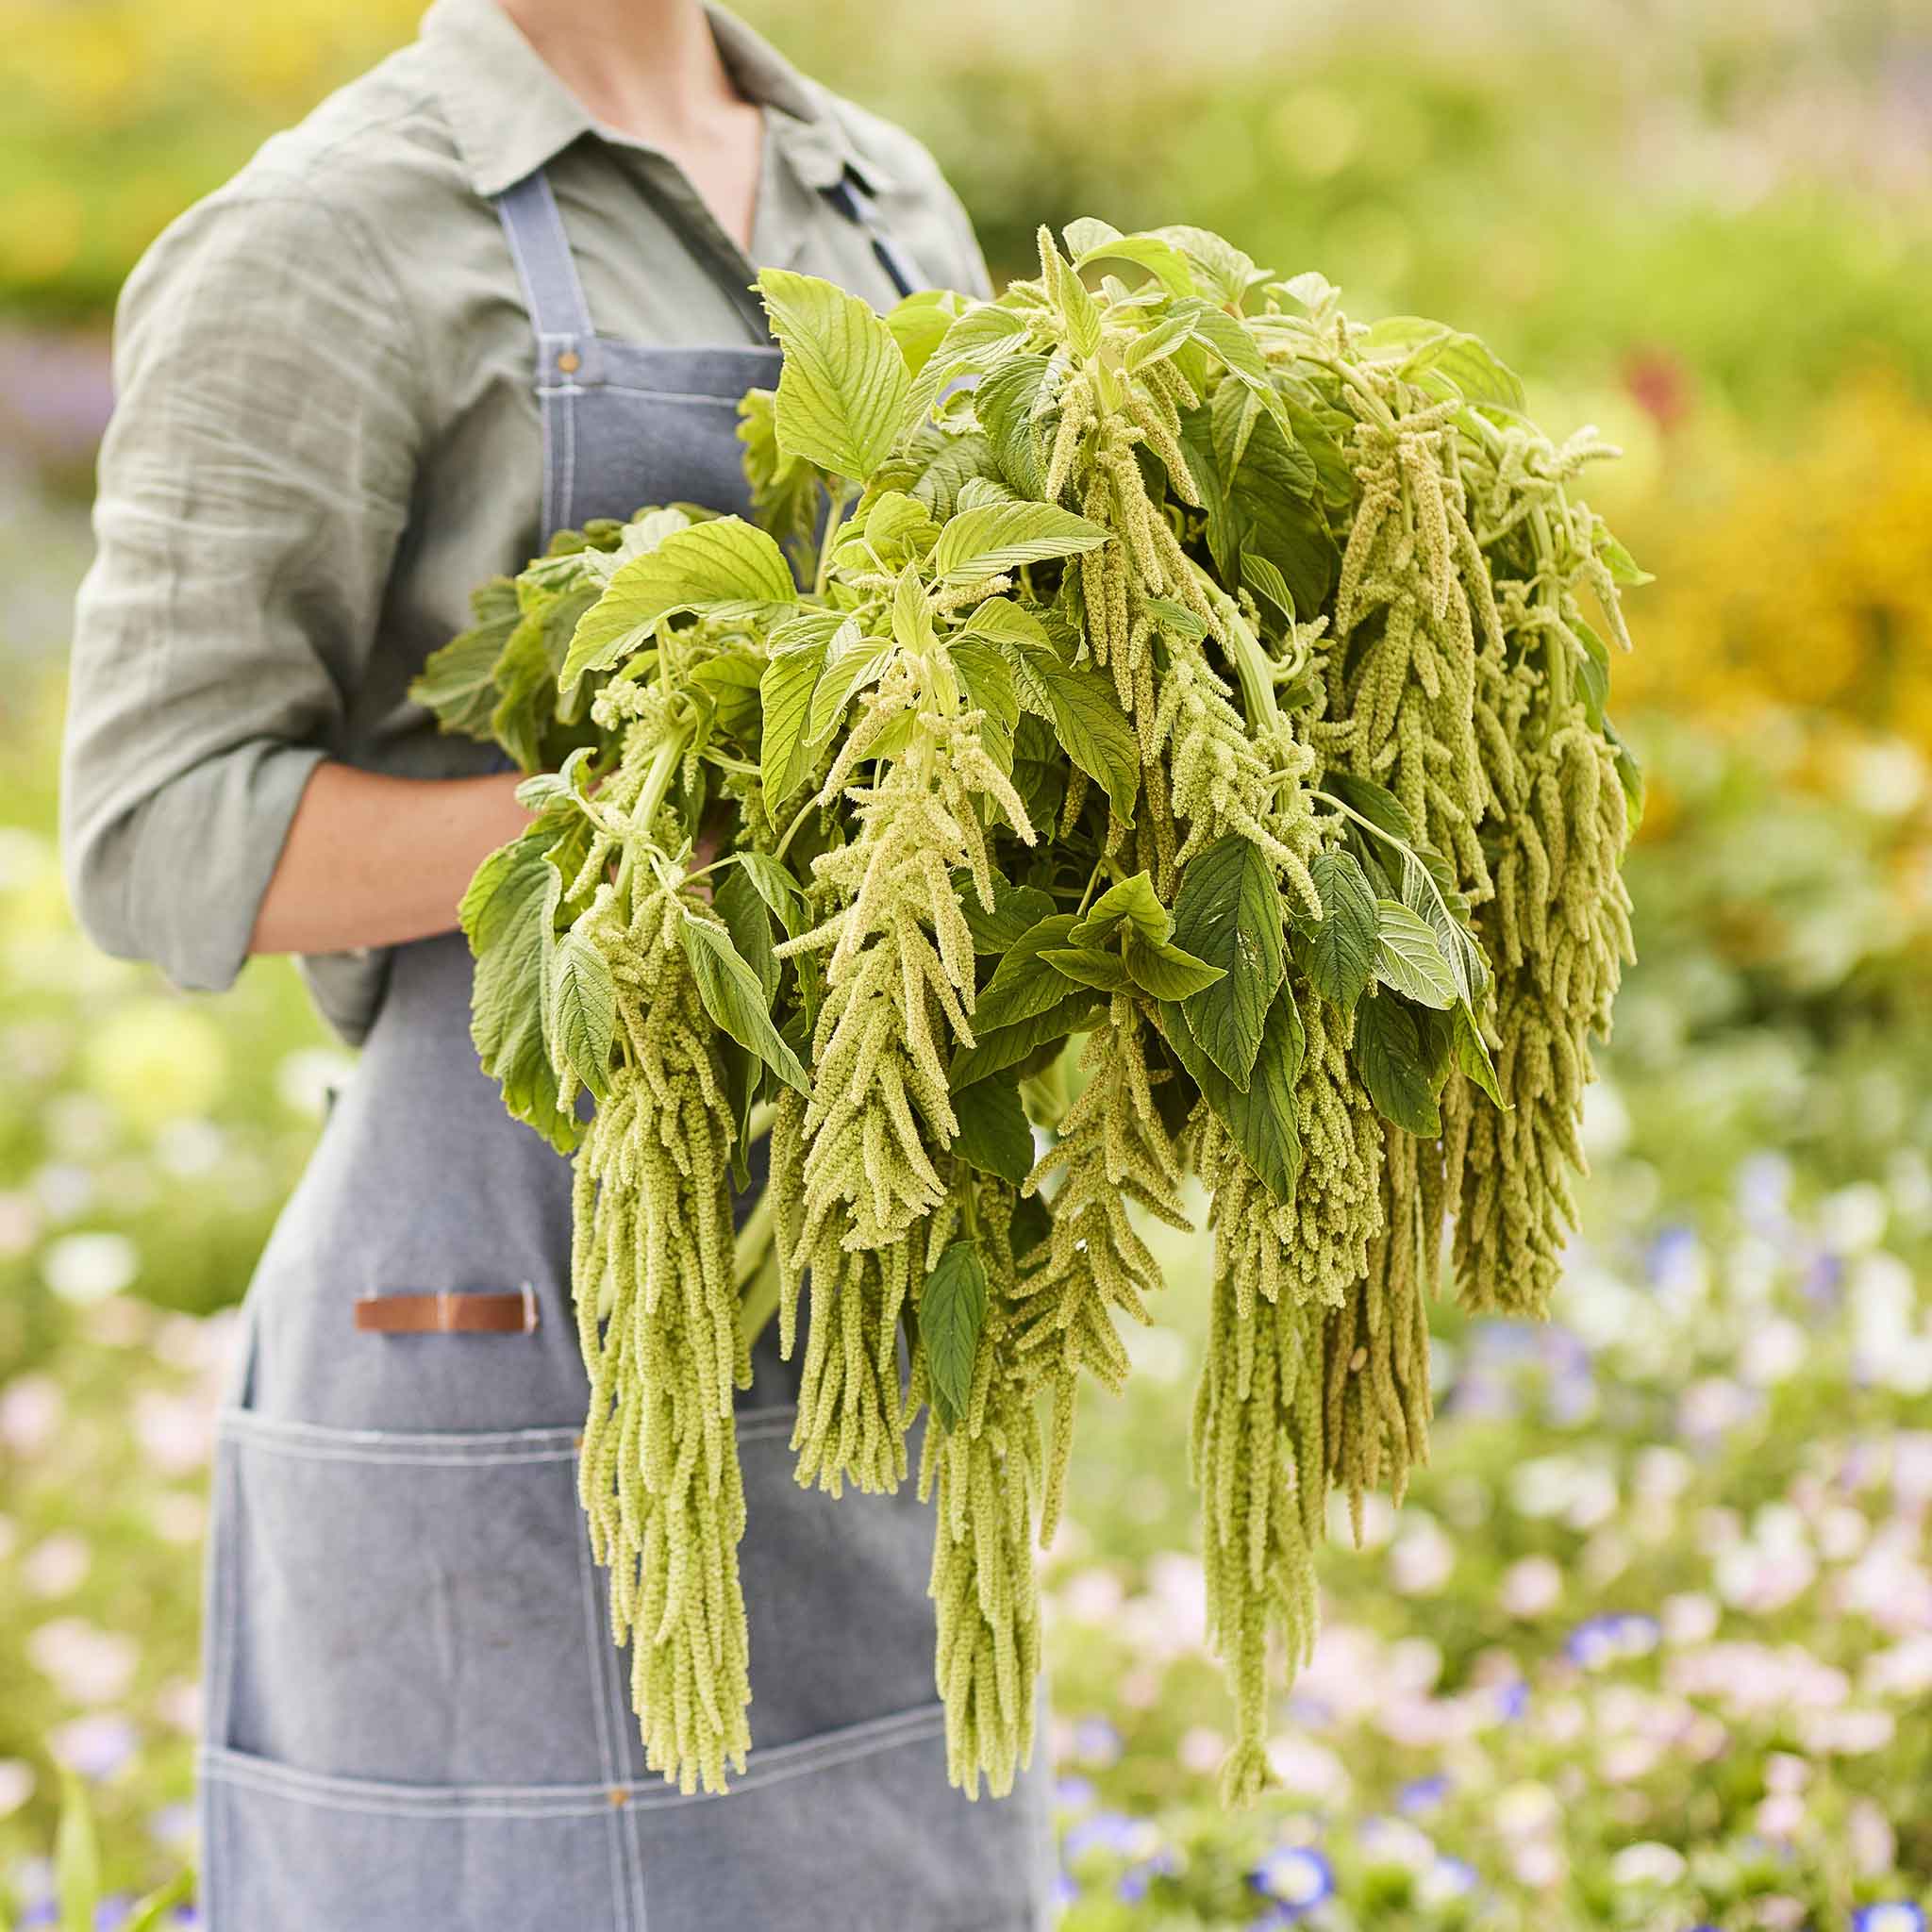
(415, 1608)
(834, 1593)
(856, 1829)
(290, 1852)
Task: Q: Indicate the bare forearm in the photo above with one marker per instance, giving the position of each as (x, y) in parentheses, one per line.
(372, 860)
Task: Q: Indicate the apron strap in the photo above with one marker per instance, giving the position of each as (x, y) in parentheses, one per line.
(540, 246)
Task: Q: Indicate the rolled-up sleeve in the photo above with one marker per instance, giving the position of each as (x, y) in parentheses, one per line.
(254, 481)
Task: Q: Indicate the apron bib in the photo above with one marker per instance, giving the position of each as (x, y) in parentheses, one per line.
(415, 1718)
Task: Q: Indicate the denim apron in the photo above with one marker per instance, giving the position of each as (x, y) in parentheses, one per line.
(415, 1718)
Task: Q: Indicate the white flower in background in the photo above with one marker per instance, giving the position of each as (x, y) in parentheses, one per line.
(1852, 1219)
(178, 1706)
(1842, 1531)
(1780, 1816)
(17, 1783)
(57, 1565)
(1846, 1733)
(1889, 1343)
(1786, 1772)
(1089, 1596)
(1912, 1467)
(64, 1191)
(1201, 1749)
(89, 1267)
(1422, 1559)
(1308, 1769)
(86, 1664)
(1869, 1835)
(1904, 1671)
(1661, 1474)
(1647, 1864)
(1446, 1879)
(1689, 1616)
(1606, 1121)
(1395, 1841)
(1531, 1587)
(1626, 1759)
(1540, 1863)
(1772, 1352)
(31, 1410)
(179, 1517)
(97, 1746)
(1712, 1405)
(1888, 1583)
(20, 1223)
(1157, 1354)
(176, 1434)
(189, 1147)
(1525, 1809)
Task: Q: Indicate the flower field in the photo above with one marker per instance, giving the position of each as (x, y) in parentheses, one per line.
(1648, 1646)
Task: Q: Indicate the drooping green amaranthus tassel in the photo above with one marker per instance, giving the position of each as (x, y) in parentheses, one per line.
(1376, 1404)
(659, 1474)
(1259, 1463)
(1559, 932)
(986, 1473)
(1113, 1150)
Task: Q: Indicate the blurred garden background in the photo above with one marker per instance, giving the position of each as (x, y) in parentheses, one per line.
(1650, 1643)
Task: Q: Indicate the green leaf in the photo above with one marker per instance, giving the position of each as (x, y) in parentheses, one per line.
(1015, 908)
(1374, 802)
(1133, 900)
(786, 491)
(1024, 983)
(1006, 401)
(1409, 957)
(852, 662)
(734, 998)
(842, 387)
(459, 682)
(731, 681)
(508, 914)
(740, 903)
(720, 563)
(1161, 259)
(998, 536)
(1472, 1055)
(1341, 948)
(785, 747)
(1007, 1047)
(1430, 891)
(1095, 733)
(1228, 913)
(1262, 1120)
(582, 1019)
(994, 1134)
(919, 322)
(951, 1310)
(1169, 972)
(1071, 296)
(76, 1857)
(1225, 273)
(776, 888)
(1388, 1054)
(1099, 967)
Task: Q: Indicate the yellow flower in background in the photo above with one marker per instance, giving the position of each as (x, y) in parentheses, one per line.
(1800, 577)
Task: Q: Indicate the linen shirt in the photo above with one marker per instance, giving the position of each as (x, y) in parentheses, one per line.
(326, 435)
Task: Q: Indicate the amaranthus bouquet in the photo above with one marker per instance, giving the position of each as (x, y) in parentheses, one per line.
(1154, 726)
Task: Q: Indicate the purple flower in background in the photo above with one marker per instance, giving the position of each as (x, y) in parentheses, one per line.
(1065, 1893)
(1133, 1883)
(1072, 1793)
(96, 1747)
(1423, 1793)
(1892, 1915)
(1600, 1640)
(113, 1913)
(1095, 1742)
(1111, 1831)
(1672, 1252)
(1296, 1878)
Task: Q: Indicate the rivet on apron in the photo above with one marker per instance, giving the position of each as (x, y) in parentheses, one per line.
(568, 361)
(619, 1796)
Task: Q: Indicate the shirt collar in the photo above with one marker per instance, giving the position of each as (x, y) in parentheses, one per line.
(509, 113)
